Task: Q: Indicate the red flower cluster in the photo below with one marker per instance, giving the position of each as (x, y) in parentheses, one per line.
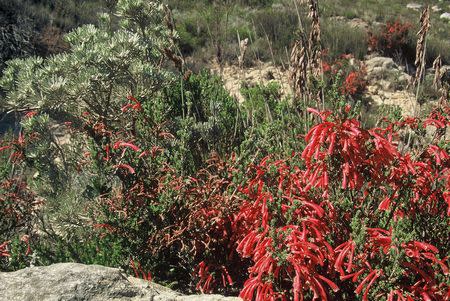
(393, 38)
(349, 73)
(288, 233)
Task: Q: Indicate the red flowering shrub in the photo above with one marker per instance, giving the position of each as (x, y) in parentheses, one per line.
(334, 222)
(352, 216)
(160, 216)
(305, 241)
(19, 205)
(391, 40)
(346, 75)
(286, 226)
(205, 228)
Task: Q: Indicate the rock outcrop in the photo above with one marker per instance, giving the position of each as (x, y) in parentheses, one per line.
(73, 281)
(415, 6)
(387, 85)
(445, 16)
(264, 73)
(387, 82)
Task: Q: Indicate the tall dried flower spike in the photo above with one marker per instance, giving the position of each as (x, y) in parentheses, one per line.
(169, 51)
(298, 74)
(421, 45)
(438, 74)
(444, 94)
(315, 48)
(242, 50)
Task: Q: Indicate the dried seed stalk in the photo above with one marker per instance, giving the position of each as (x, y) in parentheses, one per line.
(168, 51)
(315, 48)
(444, 94)
(421, 46)
(243, 45)
(298, 74)
(438, 74)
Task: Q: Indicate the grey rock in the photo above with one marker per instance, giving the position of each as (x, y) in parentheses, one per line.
(415, 6)
(381, 62)
(436, 8)
(73, 282)
(382, 68)
(445, 16)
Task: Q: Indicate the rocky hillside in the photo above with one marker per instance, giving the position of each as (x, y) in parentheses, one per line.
(386, 82)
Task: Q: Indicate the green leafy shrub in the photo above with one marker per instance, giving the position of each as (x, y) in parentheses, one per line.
(83, 90)
(273, 124)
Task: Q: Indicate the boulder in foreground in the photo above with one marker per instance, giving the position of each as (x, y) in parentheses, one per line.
(73, 281)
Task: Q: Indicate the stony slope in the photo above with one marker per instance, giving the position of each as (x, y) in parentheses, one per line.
(386, 82)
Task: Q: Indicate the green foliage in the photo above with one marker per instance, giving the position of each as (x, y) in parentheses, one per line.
(33, 27)
(102, 66)
(273, 125)
(83, 91)
(342, 38)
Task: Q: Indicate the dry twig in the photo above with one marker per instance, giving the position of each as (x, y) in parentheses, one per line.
(243, 45)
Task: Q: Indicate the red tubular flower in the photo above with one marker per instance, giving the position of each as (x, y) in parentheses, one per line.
(126, 167)
(5, 147)
(206, 279)
(107, 151)
(3, 249)
(135, 104)
(345, 250)
(31, 114)
(26, 240)
(399, 295)
(120, 144)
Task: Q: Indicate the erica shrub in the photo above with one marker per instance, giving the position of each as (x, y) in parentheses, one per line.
(336, 222)
(19, 204)
(392, 40)
(345, 76)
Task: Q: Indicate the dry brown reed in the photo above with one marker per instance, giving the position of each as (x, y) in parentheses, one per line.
(444, 94)
(306, 54)
(438, 74)
(243, 45)
(421, 46)
(298, 74)
(170, 53)
(315, 48)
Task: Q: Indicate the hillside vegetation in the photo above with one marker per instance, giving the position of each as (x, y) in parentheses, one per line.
(131, 154)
